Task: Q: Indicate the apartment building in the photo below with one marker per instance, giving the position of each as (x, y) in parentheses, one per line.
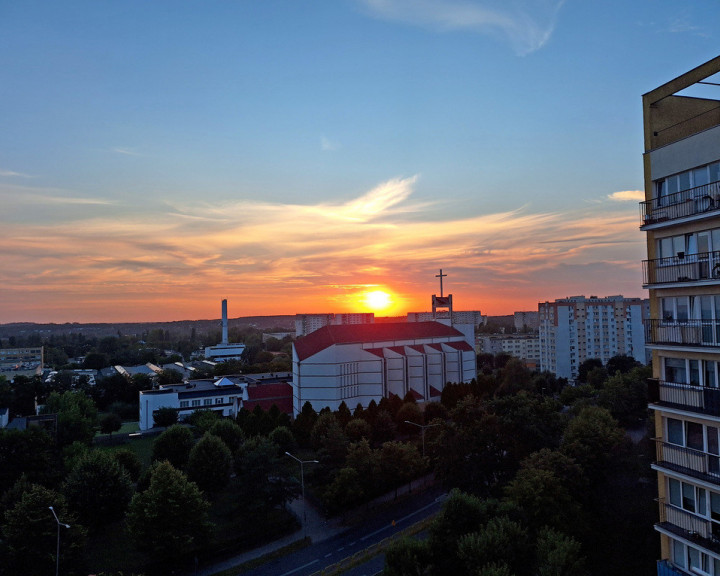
(577, 328)
(307, 323)
(681, 216)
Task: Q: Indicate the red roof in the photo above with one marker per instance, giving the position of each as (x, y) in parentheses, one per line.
(462, 346)
(416, 394)
(434, 392)
(365, 333)
(266, 395)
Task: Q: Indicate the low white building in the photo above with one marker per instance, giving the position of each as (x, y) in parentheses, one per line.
(360, 363)
(223, 395)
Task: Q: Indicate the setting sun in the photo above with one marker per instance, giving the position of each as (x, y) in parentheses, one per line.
(377, 300)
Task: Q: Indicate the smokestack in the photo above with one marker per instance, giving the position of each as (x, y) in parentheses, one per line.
(224, 322)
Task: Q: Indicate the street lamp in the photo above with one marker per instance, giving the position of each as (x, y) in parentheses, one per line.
(302, 483)
(423, 432)
(57, 553)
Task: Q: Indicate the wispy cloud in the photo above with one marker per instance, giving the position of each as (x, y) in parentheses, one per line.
(10, 173)
(527, 24)
(286, 258)
(126, 151)
(328, 145)
(627, 196)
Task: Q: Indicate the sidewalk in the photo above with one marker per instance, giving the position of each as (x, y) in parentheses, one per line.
(316, 527)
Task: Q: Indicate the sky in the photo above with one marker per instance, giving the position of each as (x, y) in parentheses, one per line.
(294, 156)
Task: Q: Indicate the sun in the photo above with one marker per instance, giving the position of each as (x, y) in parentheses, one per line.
(377, 300)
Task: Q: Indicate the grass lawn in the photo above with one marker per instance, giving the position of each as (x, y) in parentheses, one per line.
(142, 446)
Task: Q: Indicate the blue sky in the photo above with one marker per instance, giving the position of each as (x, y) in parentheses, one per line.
(158, 156)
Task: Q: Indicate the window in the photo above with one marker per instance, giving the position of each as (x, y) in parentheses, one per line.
(207, 401)
(195, 403)
(184, 403)
(694, 435)
(218, 400)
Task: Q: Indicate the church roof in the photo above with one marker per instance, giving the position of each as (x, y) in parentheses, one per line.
(366, 333)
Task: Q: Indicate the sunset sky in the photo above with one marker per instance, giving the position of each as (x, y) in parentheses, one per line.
(291, 156)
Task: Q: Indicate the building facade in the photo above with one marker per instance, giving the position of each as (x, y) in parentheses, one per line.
(356, 364)
(681, 216)
(307, 323)
(575, 329)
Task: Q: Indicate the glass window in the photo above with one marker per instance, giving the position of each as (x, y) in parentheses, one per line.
(683, 309)
(679, 553)
(688, 497)
(715, 506)
(207, 401)
(671, 184)
(714, 170)
(675, 431)
(694, 436)
(710, 377)
(700, 176)
(694, 372)
(684, 181)
(675, 493)
(675, 370)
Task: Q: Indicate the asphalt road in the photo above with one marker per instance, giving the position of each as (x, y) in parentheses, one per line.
(326, 553)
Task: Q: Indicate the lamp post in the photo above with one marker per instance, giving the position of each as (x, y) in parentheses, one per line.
(302, 484)
(423, 428)
(57, 553)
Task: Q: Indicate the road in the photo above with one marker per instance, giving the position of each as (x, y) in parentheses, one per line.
(326, 553)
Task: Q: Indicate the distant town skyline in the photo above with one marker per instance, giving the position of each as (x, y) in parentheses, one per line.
(158, 157)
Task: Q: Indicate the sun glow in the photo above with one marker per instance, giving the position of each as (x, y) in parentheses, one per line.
(377, 300)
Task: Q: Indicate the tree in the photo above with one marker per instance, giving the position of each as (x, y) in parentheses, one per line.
(202, 420)
(130, 461)
(174, 445)
(361, 457)
(229, 432)
(77, 416)
(165, 417)
(343, 414)
(110, 423)
(28, 452)
(30, 535)
(593, 438)
(412, 412)
(383, 427)
(263, 476)
(407, 557)
(283, 437)
(98, 488)
(357, 429)
(344, 491)
(625, 395)
(558, 554)
(169, 376)
(399, 463)
(586, 366)
(170, 518)
(502, 541)
(621, 363)
(210, 463)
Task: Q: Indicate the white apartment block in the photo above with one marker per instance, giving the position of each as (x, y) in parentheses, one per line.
(523, 346)
(307, 323)
(458, 317)
(529, 320)
(575, 329)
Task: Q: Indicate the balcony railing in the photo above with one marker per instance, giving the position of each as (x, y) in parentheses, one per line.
(690, 526)
(698, 200)
(667, 568)
(691, 462)
(700, 399)
(683, 333)
(682, 268)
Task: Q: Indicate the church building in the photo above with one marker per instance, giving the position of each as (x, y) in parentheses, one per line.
(358, 363)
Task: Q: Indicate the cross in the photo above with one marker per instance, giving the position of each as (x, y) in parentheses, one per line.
(441, 276)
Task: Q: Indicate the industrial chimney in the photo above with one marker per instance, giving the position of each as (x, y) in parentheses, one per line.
(224, 322)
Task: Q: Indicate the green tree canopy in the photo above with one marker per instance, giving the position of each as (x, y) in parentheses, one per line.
(170, 518)
(174, 445)
(98, 488)
(77, 416)
(30, 532)
(165, 416)
(210, 463)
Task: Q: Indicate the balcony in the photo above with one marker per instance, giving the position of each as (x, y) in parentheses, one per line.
(689, 526)
(689, 397)
(696, 201)
(682, 268)
(695, 463)
(694, 333)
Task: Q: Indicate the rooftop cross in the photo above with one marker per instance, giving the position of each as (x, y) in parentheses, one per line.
(441, 276)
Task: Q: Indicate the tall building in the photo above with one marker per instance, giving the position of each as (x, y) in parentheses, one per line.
(575, 329)
(308, 323)
(681, 215)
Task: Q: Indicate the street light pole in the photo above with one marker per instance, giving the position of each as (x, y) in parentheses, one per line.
(57, 552)
(302, 484)
(423, 428)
